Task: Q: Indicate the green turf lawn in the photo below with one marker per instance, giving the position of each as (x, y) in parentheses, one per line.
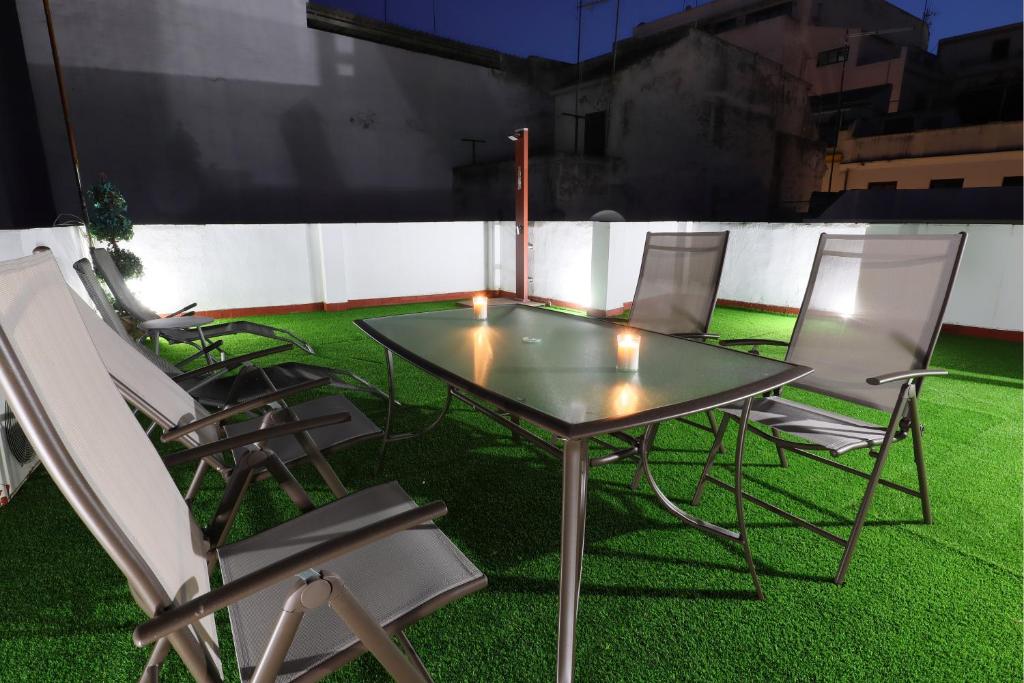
(659, 602)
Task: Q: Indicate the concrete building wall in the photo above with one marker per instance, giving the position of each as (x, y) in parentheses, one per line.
(235, 111)
(982, 155)
(699, 129)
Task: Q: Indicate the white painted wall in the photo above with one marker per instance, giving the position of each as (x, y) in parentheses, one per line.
(590, 265)
(411, 259)
(560, 261)
(769, 263)
(222, 266)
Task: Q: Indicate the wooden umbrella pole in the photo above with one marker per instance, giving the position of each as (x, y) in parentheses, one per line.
(72, 145)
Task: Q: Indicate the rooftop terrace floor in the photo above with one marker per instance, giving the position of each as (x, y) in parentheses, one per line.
(659, 602)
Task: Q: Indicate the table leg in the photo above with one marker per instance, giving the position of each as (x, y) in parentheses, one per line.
(575, 466)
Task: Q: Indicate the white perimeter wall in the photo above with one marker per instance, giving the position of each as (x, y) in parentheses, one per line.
(590, 265)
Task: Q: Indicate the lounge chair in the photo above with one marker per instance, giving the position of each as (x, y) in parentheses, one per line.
(212, 385)
(303, 598)
(870, 319)
(291, 434)
(177, 327)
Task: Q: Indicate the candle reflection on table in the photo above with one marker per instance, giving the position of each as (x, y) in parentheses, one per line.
(625, 398)
(483, 353)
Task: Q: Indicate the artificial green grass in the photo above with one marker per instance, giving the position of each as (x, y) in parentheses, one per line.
(659, 602)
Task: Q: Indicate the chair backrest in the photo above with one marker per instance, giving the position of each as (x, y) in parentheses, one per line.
(678, 282)
(99, 299)
(115, 281)
(94, 448)
(874, 304)
(159, 397)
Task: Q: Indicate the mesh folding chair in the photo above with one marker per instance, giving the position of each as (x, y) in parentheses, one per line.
(211, 385)
(155, 326)
(676, 292)
(870, 319)
(678, 283)
(283, 435)
(304, 598)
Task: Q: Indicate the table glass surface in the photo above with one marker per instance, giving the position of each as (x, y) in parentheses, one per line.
(563, 366)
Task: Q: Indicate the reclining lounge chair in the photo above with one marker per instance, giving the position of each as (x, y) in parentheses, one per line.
(177, 327)
(303, 598)
(286, 435)
(210, 385)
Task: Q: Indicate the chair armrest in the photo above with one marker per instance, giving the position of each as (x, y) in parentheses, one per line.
(702, 336)
(259, 435)
(181, 311)
(904, 375)
(251, 404)
(232, 363)
(752, 342)
(176, 618)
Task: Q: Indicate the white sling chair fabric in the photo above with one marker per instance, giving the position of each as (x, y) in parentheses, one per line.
(143, 384)
(109, 454)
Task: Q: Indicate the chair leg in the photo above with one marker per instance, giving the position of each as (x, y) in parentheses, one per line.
(783, 461)
(197, 482)
(715, 448)
(922, 475)
(741, 521)
(151, 674)
(368, 630)
(414, 657)
(862, 513)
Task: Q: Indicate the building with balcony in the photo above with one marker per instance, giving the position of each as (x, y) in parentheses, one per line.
(860, 58)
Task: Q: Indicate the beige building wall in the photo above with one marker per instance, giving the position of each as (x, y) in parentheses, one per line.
(984, 156)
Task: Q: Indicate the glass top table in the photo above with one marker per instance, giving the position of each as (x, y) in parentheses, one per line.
(558, 372)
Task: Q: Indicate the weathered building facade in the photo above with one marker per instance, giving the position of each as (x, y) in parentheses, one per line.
(274, 110)
(686, 125)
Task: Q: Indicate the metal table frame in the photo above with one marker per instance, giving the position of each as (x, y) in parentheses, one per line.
(576, 464)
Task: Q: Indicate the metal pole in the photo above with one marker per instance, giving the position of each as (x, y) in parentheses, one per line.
(839, 126)
(615, 36)
(69, 129)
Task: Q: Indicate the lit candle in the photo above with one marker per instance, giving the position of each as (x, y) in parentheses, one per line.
(627, 357)
(480, 307)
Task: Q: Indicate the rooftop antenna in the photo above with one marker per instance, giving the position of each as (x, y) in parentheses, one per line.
(580, 6)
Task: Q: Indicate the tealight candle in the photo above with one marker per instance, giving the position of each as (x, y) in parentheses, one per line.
(480, 307)
(627, 357)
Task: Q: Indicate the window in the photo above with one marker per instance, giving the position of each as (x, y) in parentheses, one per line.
(884, 185)
(899, 124)
(594, 133)
(1001, 50)
(946, 183)
(783, 10)
(1013, 181)
(829, 57)
(722, 26)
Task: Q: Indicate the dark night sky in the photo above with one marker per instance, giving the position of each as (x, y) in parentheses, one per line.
(547, 28)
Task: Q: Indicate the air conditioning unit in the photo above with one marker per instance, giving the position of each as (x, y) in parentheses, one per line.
(17, 459)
